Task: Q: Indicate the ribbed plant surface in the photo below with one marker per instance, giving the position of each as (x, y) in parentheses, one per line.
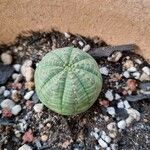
(68, 81)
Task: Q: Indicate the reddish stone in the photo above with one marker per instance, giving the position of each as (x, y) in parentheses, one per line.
(28, 136)
(6, 113)
(131, 84)
(29, 104)
(104, 102)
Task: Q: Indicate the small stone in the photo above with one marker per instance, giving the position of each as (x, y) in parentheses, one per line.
(27, 63)
(109, 95)
(96, 135)
(115, 57)
(6, 58)
(138, 61)
(97, 147)
(28, 95)
(2, 89)
(29, 104)
(104, 102)
(81, 43)
(126, 104)
(114, 146)
(144, 77)
(129, 120)
(6, 113)
(6, 93)
(35, 98)
(15, 75)
(126, 74)
(113, 134)
(38, 107)
(5, 73)
(86, 48)
(136, 75)
(128, 64)
(96, 129)
(16, 109)
(17, 67)
(28, 136)
(134, 113)
(120, 104)
(37, 143)
(121, 124)
(146, 70)
(27, 72)
(132, 69)
(104, 71)
(18, 79)
(44, 138)
(29, 85)
(16, 96)
(117, 96)
(67, 35)
(111, 111)
(131, 84)
(108, 148)
(7, 103)
(25, 147)
(102, 143)
(106, 138)
(112, 126)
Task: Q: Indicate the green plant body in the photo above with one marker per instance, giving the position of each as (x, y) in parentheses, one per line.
(68, 81)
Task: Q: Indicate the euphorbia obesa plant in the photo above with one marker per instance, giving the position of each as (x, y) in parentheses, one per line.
(68, 80)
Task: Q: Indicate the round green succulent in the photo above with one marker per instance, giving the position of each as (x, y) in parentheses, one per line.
(68, 81)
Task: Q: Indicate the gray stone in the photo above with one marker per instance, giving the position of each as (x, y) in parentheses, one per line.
(7, 103)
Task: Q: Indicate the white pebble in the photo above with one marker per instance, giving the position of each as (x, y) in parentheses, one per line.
(117, 96)
(104, 71)
(25, 147)
(126, 104)
(17, 67)
(111, 111)
(67, 35)
(132, 69)
(27, 72)
(108, 148)
(14, 76)
(86, 48)
(2, 89)
(81, 43)
(106, 138)
(115, 57)
(134, 113)
(136, 75)
(6, 58)
(16, 109)
(112, 126)
(28, 95)
(97, 147)
(121, 124)
(120, 104)
(146, 70)
(144, 77)
(138, 61)
(114, 146)
(109, 95)
(7, 103)
(38, 107)
(96, 135)
(102, 143)
(27, 63)
(126, 74)
(6, 93)
(96, 130)
(129, 120)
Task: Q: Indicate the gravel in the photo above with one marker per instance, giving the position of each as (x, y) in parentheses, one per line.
(109, 126)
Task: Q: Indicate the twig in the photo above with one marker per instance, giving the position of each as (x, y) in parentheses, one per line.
(108, 50)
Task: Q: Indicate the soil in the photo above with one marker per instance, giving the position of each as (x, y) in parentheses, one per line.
(73, 132)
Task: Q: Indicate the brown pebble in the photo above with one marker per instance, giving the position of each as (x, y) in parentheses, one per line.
(16, 96)
(131, 84)
(29, 85)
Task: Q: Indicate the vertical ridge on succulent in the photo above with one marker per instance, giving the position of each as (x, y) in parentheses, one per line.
(68, 80)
